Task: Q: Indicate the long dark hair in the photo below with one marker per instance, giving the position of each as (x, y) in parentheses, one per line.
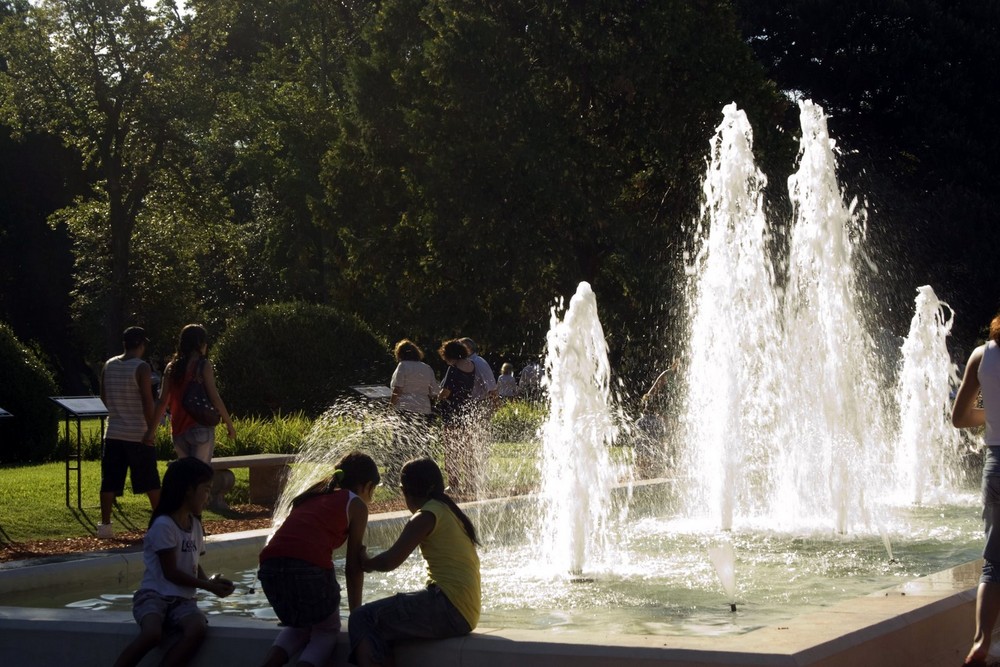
(181, 476)
(421, 478)
(353, 470)
(192, 337)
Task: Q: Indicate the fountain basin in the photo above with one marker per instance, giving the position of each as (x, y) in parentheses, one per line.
(928, 620)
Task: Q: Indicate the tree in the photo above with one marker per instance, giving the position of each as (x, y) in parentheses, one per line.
(102, 76)
(910, 86)
(497, 153)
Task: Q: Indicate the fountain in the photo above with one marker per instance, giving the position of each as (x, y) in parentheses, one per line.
(779, 355)
(578, 473)
(927, 450)
(791, 472)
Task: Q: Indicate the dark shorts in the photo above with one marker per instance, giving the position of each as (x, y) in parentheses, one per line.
(300, 593)
(426, 614)
(120, 457)
(170, 608)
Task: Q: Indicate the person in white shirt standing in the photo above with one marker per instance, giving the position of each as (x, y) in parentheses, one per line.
(126, 390)
(414, 389)
(413, 384)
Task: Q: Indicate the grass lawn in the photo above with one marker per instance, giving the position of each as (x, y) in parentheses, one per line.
(33, 497)
(33, 502)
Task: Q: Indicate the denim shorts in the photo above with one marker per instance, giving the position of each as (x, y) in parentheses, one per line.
(991, 526)
(426, 614)
(197, 442)
(171, 608)
(301, 594)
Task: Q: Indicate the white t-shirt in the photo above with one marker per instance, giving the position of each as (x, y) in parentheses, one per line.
(416, 381)
(188, 546)
(506, 386)
(989, 385)
(485, 382)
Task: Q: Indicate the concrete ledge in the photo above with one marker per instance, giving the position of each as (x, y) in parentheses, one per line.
(929, 625)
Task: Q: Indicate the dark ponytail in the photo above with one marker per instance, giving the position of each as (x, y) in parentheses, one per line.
(421, 478)
(352, 471)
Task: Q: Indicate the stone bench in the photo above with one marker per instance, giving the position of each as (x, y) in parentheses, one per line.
(268, 473)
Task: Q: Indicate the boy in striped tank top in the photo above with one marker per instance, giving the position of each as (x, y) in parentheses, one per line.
(127, 393)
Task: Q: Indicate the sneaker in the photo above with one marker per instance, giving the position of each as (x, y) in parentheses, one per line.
(105, 531)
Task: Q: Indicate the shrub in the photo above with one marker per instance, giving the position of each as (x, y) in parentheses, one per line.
(281, 435)
(292, 357)
(517, 421)
(31, 434)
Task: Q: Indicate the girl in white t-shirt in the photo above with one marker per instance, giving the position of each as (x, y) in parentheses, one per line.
(171, 550)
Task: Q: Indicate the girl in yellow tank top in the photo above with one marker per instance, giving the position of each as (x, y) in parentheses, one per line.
(449, 606)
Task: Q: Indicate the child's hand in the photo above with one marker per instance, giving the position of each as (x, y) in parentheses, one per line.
(221, 586)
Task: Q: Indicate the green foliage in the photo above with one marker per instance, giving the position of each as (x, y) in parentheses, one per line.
(517, 421)
(108, 78)
(281, 434)
(495, 154)
(291, 357)
(30, 435)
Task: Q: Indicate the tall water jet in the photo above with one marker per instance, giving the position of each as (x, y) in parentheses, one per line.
(734, 331)
(835, 437)
(928, 447)
(577, 470)
(783, 416)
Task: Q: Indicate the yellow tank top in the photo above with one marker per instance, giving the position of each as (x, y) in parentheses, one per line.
(452, 561)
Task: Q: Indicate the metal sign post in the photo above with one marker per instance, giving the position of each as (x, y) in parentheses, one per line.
(79, 408)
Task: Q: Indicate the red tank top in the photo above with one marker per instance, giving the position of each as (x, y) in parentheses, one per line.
(180, 419)
(312, 530)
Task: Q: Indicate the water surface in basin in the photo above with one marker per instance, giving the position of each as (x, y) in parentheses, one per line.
(666, 585)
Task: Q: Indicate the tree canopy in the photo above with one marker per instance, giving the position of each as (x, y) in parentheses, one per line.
(443, 167)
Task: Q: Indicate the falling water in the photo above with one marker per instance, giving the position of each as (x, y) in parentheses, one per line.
(783, 413)
(577, 470)
(734, 332)
(928, 447)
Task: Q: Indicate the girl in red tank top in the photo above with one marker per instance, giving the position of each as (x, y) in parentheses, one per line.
(296, 565)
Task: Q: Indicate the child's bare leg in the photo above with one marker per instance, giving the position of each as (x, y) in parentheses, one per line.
(150, 634)
(276, 657)
(288, 642)
(192, 634)
(363, 653)
(322, 642)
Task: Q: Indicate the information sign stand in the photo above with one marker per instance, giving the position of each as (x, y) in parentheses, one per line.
(374, 392)
(79, 408)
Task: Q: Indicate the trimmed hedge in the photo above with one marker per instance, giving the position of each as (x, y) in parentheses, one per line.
(296, 357)
(31, 434)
